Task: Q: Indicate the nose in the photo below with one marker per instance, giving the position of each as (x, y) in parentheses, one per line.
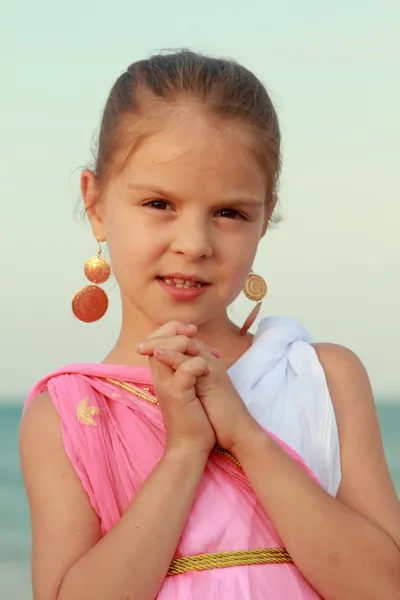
(192, 239)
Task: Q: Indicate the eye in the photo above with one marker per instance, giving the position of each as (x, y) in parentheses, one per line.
(230, 213)
(159, 204)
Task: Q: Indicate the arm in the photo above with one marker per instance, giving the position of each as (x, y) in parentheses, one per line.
(348, 548)
(70, 560)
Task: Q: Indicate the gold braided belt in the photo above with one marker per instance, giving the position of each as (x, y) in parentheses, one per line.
(204, 562)
(219, 560)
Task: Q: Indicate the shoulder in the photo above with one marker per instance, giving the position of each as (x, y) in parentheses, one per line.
(59, 506)
(40, 429)
(335, 354)
(39, 415)
(347, 379)
(349, 387)
(366, 485)
(44, 459)
(42, 443)
(341, 365)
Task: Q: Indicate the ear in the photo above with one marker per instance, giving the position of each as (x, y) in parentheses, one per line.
(268, 212)
(91, 197)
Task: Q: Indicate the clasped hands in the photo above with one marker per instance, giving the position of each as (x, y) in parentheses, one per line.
(200, 405)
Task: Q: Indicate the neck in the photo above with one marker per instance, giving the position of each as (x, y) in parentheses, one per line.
(220, 333)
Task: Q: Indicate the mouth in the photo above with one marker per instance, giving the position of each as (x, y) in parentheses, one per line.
(180, 281)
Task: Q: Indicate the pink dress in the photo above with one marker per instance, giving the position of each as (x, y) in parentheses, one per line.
(114, 440)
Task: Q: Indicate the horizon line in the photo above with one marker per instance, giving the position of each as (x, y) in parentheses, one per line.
(382, 399)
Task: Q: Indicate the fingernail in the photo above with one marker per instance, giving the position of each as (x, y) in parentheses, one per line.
(140, 346)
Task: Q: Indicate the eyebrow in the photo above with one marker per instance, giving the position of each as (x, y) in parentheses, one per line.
(150, 188)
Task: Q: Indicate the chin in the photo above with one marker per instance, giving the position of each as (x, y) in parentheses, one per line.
(183, 314)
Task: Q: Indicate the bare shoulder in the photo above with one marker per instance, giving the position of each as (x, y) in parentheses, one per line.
(350, 390)
(39, 414)
(341, 362)
(39, 436)
(59, 507)
(366, 484)
(39, 431)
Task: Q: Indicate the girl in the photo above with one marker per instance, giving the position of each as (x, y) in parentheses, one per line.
(198, 461)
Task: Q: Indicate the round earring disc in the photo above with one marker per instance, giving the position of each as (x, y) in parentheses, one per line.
(97, 269)
(89, 304)
(255, 288)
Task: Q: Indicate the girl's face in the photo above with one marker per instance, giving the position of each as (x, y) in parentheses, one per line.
(182, 221)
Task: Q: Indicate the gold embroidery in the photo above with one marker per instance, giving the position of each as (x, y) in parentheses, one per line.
(226, 453)
(132, 390)
(139, 394)
(85, 413)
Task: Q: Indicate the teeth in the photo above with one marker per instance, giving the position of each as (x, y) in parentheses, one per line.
(182, 283)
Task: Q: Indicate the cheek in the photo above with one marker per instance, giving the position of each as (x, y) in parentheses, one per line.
(133, 252)
(238, 261)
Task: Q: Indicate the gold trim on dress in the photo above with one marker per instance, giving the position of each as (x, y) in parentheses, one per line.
(146, 396)
(204, 562)
(219, 560)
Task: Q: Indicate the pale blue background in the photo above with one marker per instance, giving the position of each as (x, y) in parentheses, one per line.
(333, 71)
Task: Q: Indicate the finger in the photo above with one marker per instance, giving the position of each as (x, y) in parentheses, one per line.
(174, 328)
(171, 358)
(162, 374)
(180, 343)
(189, 371)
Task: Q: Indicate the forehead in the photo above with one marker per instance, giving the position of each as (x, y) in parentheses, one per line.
(194, 154)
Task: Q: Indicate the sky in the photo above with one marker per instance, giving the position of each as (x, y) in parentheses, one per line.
(332, 70)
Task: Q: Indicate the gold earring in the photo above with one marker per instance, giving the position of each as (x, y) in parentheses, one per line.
(90, 303)
(255, 289)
